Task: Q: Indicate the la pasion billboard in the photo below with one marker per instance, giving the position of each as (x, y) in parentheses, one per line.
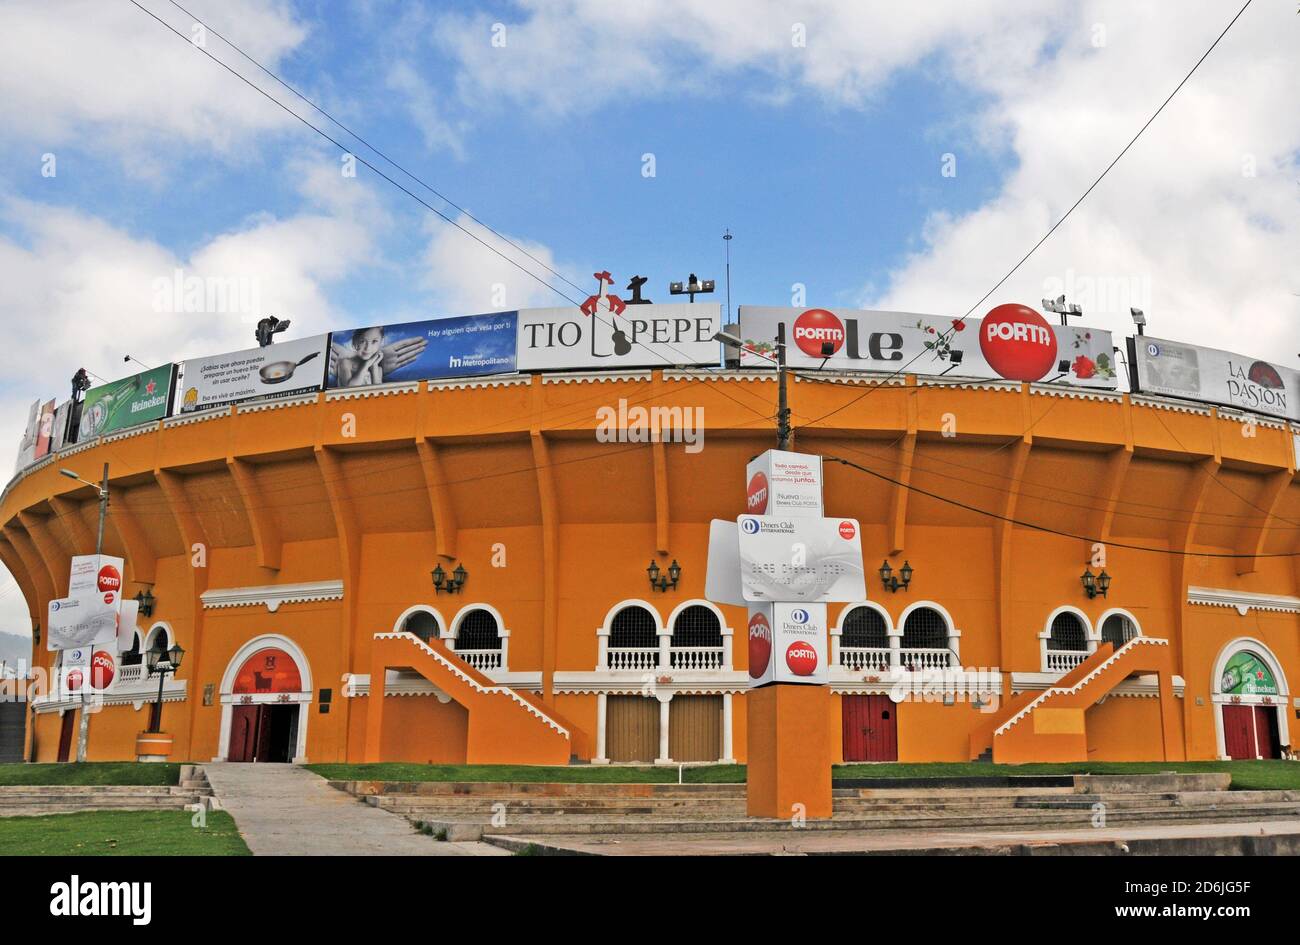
(1013, 342)
(1175, 369)
(458, 346)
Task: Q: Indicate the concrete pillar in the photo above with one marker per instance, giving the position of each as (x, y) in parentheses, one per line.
(663, 758)
(600, 758)
(728, 747)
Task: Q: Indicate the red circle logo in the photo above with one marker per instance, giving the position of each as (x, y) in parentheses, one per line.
(801, 657)
(103, 668)
(74, 680)
(108, 598)
(1017, 342)
(760, 645)
(756, 495)
(108, 579)
(816, 326)
(847, 531)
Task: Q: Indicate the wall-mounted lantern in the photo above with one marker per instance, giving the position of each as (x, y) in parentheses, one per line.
(451, 583)
(1095, 584)
(662, 582)
(892, 581)
(146, 600)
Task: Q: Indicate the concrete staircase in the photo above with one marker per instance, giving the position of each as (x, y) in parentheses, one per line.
(37, 799)
(480, 810)
(505, 726)
(1052, 727)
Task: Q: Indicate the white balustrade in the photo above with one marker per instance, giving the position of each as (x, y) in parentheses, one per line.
(695, 657)
(633, 657)
(481, 659)
(858, 658)
(1062, 661)
(918, 658)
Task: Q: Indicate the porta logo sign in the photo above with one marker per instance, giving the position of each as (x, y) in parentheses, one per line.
(756, 495)
(1018, 343)
(760, 645)
(801, 658)
(814, 328)
(847, 531)
(108, 579)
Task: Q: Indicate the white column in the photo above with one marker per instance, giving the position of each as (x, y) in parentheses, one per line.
(728, 648)
(895, 645)
(663, 758)
(602, 650)
(505, 650)
(665, 645)
(728, 756)
(600, 758)
(835, 647)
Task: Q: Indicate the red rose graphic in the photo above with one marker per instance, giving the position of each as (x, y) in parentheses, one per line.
(1084, 367)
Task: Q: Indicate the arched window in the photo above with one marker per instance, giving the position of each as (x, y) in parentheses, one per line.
(133, 656)
(478, 630)
(633, 626)
(1118, 630)
(160, 641)
(697, 625)
(925, 629)
(865, 627)
(422, 623)
(1068, 633)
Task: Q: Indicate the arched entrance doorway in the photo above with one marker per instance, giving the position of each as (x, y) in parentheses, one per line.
(264, 695)
(1250, 696)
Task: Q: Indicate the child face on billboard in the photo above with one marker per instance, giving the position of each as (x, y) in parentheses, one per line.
(367, 342)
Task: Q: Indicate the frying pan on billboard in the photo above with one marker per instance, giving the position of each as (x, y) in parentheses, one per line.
(1175, 369)
(283, 369)
(1012, 342)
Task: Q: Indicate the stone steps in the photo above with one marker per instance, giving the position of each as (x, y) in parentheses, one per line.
(23, 800)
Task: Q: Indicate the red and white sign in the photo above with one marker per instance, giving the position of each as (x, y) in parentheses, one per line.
(793, 646)
(103, 671)
(784, 483)
(800, 559)
(88, 615)
(1013, 342)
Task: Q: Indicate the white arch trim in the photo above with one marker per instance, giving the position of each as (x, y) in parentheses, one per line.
(303, 699)
(604, 628)
(1282, 700)
(698, 602)
(146, 642)
(1070, 609)
(420, 608)
(1116, 612)
(454, 630)
(838, 629)
(954, 634)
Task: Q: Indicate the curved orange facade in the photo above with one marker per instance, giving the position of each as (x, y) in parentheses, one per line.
(308, 526)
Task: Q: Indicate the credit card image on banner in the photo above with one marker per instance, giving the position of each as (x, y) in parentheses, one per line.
(801, 559)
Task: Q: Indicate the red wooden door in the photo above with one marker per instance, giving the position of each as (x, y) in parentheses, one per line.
(243, 732)
(870, 726)
(1266, 737)
(1239, 732)
(65, 735)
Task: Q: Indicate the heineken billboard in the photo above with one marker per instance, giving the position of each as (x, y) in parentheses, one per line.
(137, 399)
(1247, 675)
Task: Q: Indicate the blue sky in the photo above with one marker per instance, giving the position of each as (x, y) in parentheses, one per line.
(816, 131)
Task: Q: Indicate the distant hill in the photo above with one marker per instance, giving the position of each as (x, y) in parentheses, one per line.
(14, 647)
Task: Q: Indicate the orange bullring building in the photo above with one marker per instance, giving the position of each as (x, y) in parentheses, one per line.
(289, 546)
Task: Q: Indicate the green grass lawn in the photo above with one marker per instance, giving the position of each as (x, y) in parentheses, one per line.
(90, 772)
(1261, 775)
(121, 833)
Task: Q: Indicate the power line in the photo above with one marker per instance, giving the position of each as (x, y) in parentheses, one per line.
(946, 332)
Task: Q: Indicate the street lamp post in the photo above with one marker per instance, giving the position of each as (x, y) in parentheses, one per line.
(162, 662)
(83, 730)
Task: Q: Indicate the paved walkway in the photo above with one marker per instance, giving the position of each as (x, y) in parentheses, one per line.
(285, 810)
(794, 842)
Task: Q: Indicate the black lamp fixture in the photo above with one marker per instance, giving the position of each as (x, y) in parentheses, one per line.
(451, 583)
(892, 581)
(1094, 584)
(161, 663)
(663, 582)
(146, 601)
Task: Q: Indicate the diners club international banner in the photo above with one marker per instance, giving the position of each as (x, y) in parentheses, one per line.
(137, 399)
(1175, 369)
(459, 346)
(1012, 342)
(282, 369)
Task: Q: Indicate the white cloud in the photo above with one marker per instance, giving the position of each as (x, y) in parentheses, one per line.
(82, 71)
(1176, 228)
(464, 276)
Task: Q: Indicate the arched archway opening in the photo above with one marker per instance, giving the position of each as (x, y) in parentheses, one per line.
(265, 693)
(1250, 695)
